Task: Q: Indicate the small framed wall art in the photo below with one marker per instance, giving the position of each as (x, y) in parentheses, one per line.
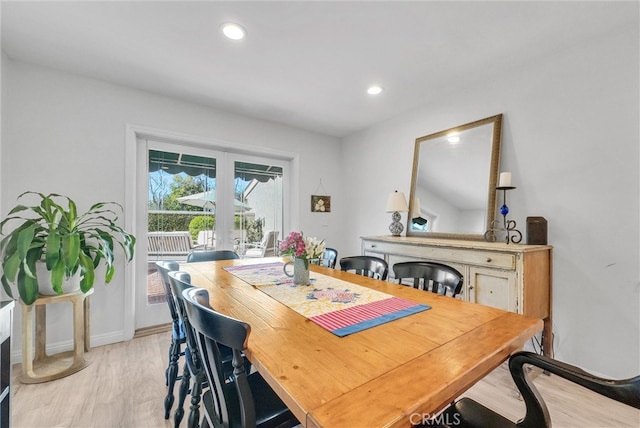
(320, 204)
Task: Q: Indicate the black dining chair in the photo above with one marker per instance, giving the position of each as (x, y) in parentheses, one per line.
(373, 267)
(246, 401)
(178, 338)
(179, 282)
(193, 367)
(429, 276)
(211, 255)
(467, 413)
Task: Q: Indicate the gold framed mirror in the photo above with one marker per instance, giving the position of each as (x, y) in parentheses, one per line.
(453, 185)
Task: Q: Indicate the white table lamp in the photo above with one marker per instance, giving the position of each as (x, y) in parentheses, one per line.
(396, 203)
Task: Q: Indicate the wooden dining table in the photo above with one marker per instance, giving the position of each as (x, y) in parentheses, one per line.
(391, 375)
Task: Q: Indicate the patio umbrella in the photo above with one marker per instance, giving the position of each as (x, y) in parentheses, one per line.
(207, 200)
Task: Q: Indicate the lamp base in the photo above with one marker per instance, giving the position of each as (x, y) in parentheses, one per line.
(396, 227)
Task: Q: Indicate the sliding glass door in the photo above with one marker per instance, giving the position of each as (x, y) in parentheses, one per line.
(202, 199)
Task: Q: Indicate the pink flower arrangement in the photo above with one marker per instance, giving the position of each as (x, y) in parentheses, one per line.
(296, 245)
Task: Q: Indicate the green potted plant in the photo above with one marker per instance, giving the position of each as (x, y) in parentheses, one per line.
(68, 244)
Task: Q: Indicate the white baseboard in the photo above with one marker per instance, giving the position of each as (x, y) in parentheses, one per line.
(55, 348)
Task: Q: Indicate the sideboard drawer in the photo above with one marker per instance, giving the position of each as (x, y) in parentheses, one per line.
(493, 259)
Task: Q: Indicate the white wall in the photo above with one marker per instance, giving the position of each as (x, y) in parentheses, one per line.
(66, 134)
(571, 140)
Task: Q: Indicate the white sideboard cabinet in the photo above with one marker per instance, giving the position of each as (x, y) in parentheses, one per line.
(513, 277)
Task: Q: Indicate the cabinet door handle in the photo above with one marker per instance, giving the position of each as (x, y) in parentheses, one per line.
(471, 287)
(488, 259)
(373, 245)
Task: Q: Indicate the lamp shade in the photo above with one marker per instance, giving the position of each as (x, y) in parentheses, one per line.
(397, 202)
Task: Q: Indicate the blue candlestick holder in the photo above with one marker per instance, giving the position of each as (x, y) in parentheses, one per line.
(508, 227)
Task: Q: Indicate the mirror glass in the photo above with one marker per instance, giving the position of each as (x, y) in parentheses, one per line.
(455, 174)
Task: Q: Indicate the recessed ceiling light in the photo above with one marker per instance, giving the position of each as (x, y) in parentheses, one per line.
(233, 31)
(374, 90)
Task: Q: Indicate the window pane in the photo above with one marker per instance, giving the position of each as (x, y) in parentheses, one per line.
(258, 194)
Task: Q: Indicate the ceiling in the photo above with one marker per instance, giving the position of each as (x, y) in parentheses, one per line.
(303, 64)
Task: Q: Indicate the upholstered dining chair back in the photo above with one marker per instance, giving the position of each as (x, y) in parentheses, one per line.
(373, 267)
(429, 276)
(246, 400)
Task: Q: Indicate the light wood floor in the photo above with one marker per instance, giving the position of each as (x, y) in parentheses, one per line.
(124, 387)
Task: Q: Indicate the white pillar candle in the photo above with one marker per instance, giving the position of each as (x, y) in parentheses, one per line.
(505, 179)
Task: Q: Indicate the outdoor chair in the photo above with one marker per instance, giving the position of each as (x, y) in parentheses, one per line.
(267, 247)
(206, 239)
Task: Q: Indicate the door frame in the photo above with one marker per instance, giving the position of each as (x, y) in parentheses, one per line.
(133, 205)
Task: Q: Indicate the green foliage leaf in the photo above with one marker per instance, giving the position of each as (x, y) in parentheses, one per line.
(27, 288)
(6, 286)
(110, 271)
(25, 237)
(52, 255)
(87, 273)
(71, 250)
(29, 263)
(57, 276)
(11, 266)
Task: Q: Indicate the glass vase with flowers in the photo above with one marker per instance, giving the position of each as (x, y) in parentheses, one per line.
(302, 250)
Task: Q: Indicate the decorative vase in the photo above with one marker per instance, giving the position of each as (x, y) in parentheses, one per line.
(300, 271)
